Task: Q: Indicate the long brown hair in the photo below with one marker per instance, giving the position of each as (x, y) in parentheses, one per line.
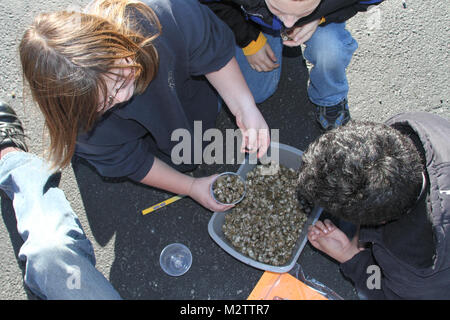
(66, 55)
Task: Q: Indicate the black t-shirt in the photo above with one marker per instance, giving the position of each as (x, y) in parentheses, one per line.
(126, 139)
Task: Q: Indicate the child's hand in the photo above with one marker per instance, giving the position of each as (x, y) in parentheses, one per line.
(326, 237)
(200, 192)
(263, 60)
(231, 85)
(300, 35)
(255, 132)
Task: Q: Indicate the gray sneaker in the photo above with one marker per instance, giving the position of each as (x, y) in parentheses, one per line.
(11, 130)
(333, 116)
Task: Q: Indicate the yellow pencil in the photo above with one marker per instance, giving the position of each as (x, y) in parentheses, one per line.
(162, 204)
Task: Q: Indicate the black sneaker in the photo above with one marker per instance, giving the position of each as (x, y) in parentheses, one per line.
(11, 130)
(333, 116)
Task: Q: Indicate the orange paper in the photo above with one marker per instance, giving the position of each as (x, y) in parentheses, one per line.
(276, 286)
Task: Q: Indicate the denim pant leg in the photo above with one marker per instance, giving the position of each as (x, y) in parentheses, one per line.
(329, 50)
(60, 262)
(262, 84)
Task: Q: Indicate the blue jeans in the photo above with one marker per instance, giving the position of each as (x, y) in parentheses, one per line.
(60, 262)
(262, 84)
(330, 50)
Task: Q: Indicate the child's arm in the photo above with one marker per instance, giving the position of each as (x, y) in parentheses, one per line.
(231, 85)
(164, 177)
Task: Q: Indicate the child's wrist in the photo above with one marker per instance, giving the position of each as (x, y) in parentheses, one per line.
(349, 253)
(254, 46)
(190, 184)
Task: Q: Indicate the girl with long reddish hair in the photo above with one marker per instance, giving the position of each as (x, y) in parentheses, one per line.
(115, 81)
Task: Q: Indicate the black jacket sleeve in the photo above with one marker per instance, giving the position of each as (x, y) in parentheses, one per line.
(245, 31)
(357, 269)
(345, 13)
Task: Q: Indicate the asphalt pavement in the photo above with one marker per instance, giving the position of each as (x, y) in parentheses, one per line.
(401, 65)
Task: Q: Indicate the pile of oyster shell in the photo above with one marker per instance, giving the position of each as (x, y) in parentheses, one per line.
(228, 188)
(266, 224)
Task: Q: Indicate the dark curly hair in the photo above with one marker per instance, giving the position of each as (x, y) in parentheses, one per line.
(365, 172)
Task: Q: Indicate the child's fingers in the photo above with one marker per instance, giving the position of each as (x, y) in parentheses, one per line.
(314, 233)
(312, 236)
(330, 225)
(321, 226)
(314, 230)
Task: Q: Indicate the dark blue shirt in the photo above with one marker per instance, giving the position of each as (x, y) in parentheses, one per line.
(127, 138)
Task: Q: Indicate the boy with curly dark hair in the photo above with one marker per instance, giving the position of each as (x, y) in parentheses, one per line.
(392, 180)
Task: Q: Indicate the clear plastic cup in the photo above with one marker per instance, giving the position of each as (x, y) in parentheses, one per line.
(175, 259)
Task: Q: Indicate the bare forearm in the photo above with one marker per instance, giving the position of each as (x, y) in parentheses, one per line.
(232, 87)
(164, 177)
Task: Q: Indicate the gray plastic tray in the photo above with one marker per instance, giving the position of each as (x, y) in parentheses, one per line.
(291, 158)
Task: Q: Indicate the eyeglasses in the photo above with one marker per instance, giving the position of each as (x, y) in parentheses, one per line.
(110, 102)
(111, 98)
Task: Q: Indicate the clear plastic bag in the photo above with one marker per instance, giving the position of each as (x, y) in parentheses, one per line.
(298, 273)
